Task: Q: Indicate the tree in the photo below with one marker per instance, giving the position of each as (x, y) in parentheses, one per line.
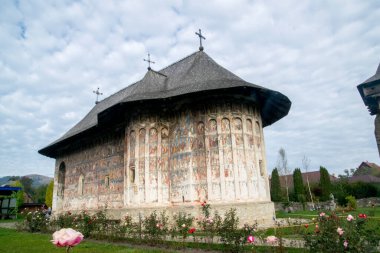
(305, 165)
(275, 186)
(49, 194)
(324, 183)
(282, 163)
(19, 194)
(27, 185)
(40, 194)
(299, 190)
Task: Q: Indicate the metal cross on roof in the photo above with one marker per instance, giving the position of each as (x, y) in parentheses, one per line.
(200, 39)
(149, 61)
(97, 95)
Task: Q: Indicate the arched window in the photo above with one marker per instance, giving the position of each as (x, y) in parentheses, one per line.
(61, 179)
(107, 181)
(81, 185)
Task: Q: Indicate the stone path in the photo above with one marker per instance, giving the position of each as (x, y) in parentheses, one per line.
(11, 224)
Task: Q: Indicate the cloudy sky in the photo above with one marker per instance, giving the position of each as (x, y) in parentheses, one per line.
(53, 55)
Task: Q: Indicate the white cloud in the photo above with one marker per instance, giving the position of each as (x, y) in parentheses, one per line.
(54, 55)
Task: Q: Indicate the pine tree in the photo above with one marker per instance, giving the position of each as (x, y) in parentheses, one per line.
(49, 194)
(299, 190)
(275, 186)
(324, 183)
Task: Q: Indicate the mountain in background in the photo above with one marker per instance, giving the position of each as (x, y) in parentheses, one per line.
(38, 180)
(4, 180)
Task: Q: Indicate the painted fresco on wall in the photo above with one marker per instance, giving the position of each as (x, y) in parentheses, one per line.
(214, 159)
(141, 167)
(165, 164)
(170, 161)
(250, 157)
(153, 173)
(180, 156)
(132, 189)
(199, 164)
(241, 159)
(228, 168)
(84, 170)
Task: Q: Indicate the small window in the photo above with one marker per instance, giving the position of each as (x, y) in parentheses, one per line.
(81, 185)
(61, 179)
(261, 166)
(107, 181)
(132, 174)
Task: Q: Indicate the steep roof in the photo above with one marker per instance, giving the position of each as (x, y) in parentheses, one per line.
(312, 176)
(369, 91)
(195, 73)
(375, 77)
(368, 168)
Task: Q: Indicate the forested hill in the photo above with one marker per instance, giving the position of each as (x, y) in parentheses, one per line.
(37, 180)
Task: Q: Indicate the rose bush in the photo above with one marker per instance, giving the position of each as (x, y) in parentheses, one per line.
(347, 234)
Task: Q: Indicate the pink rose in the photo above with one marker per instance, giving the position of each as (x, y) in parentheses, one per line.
(67, 237)
(322, 214)
(271, 239)
(340, 231)
(250, 239)
(345, 244)
(350, 217)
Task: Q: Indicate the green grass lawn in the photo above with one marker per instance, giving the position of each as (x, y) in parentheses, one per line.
(296, 232)
(23, 242)
(372, 213)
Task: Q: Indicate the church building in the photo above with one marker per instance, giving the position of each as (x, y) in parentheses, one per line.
(185, 134)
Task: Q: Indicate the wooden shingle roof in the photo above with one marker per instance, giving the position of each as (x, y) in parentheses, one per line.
(197, 72)
(370, 91)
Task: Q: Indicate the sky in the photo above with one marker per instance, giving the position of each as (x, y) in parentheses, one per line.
(54, 54)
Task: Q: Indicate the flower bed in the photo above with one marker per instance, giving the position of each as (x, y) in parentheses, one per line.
(352, 233)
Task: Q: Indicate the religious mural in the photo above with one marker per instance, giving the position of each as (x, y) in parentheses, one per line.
(211, 154)
(81, 175)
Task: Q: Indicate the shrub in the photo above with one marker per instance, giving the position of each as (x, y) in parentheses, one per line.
(231, 236)
(208, 224)
(65, 220)
(183, 223)
(35, 221)
(155, 227)
(275, 186)
(127, 228)
(349, 234)
(351, 202)
(324, 183)
(299, 189)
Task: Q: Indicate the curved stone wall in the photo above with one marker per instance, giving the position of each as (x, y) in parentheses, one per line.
(213, 153)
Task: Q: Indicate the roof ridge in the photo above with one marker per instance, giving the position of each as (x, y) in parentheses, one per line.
(157, 72)
(182, 59)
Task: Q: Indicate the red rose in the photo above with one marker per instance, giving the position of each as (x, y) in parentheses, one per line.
(306, 225)
(191, 230)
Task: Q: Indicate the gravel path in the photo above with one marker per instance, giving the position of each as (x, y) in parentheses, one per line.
(11, 224)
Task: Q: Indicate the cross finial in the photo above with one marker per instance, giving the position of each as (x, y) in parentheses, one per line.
(200, 39)
(97, 95)
(149, 61)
